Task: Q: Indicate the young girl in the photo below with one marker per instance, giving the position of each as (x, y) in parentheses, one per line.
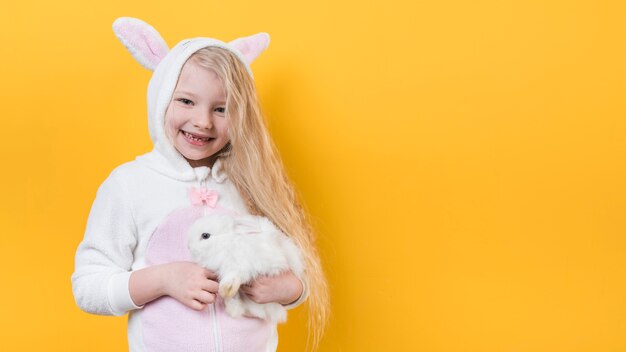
(212, 152)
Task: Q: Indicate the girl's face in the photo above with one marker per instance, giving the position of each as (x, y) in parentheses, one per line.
(195, 119)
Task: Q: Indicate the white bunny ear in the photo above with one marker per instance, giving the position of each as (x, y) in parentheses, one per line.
(251, 47)
(247, 224)
(142, 40)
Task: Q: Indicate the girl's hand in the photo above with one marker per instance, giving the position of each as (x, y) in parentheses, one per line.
(190, 284)
(284, 288)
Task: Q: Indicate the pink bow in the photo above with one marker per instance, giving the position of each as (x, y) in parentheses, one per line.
(199, 196)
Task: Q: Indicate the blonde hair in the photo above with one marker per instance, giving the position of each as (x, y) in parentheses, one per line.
(253, 164)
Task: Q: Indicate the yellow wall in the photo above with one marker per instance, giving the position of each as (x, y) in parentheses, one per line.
(463, 162)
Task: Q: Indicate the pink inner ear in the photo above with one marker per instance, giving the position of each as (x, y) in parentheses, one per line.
(155, 49)
(142, 40)
(252, 46)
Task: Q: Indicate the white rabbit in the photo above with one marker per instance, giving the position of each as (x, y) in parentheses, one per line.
(238, 249)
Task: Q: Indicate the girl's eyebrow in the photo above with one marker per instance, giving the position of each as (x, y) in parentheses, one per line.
(222, 102)
(185, 92)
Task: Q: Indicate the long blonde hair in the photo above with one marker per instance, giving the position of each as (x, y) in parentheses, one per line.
(253, 164)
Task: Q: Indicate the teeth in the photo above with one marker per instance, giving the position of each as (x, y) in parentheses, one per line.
(196, 139)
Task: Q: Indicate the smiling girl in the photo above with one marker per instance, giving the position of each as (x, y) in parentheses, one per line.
(209, 138)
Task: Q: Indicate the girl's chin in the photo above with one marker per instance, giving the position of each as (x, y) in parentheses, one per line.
(195, 162)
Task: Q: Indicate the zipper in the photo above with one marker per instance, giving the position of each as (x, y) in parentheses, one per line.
(215, 334)
(202, 175)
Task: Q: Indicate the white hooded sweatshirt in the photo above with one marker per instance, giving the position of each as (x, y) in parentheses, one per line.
(139, 218)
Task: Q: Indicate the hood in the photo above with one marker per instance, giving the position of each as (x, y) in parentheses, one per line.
(148, 47)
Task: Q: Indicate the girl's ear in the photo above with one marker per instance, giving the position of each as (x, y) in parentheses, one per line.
(142, 40)
(251, 47)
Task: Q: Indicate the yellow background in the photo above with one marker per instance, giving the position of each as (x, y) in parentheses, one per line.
(463, 162)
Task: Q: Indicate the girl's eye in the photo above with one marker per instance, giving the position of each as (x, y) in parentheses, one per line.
(184, 101)
(221, 110)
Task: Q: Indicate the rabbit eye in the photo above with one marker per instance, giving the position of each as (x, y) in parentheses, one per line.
(206, 235)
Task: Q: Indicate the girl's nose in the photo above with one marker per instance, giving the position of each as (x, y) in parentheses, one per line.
(203, 120)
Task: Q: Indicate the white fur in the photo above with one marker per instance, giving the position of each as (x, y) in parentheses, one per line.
(238, 250)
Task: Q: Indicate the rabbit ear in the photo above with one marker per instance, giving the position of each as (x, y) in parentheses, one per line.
(251, 47)
(247, 224)
(142, 40)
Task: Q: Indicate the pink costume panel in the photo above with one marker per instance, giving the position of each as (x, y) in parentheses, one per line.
(168, 325)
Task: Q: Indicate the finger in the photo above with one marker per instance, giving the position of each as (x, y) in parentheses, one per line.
(211, 286)
(255, 298)
(248, 288)
(210, 274)
(196, 305)
(249, 294)
(205, 297)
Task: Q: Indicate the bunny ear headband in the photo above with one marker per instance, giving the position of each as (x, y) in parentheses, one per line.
(148, 47)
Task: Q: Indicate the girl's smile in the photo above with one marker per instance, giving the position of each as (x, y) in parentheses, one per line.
(196, 139)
